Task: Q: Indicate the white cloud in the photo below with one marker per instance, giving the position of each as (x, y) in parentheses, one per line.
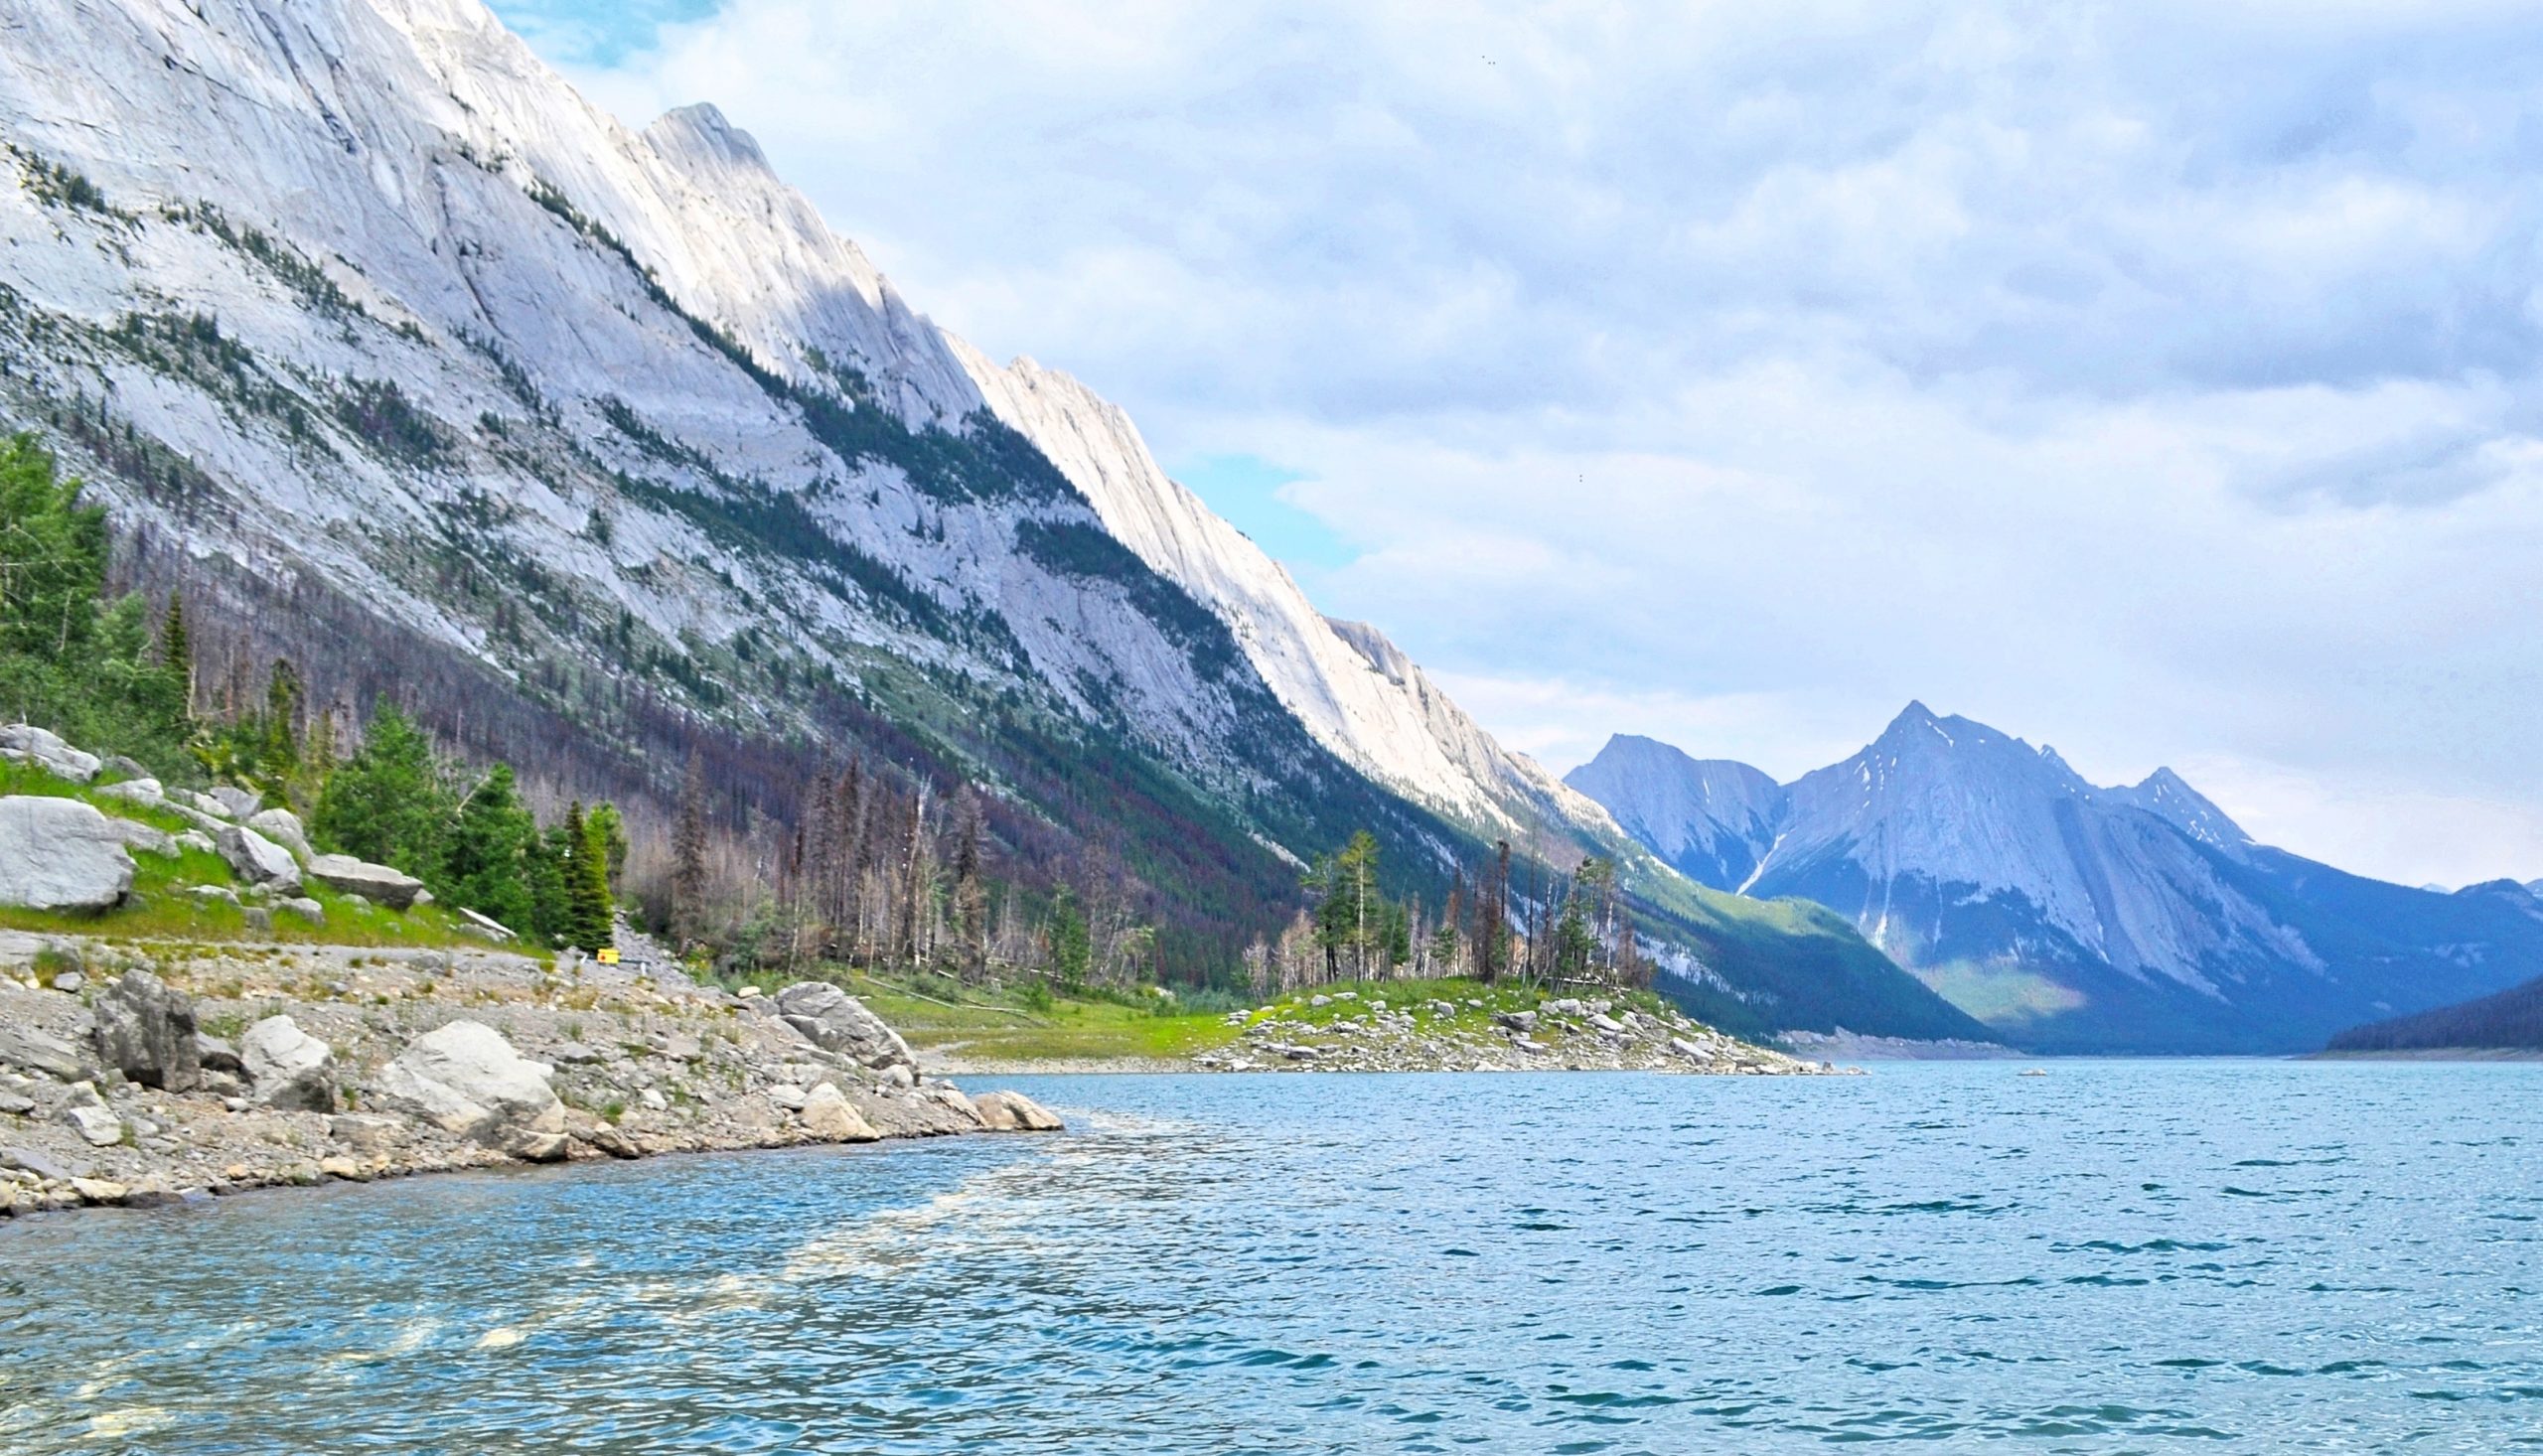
(2157, 379)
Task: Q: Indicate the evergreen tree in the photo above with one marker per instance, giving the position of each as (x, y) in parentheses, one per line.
(53, 556)
(587, 905)
(487, 865)
(72, 658)
(609, 827)
(688, 854)
(279, 755)
(388, 804)
(551, 897)
(1071, 943)
(1351, 921)
(176, 647)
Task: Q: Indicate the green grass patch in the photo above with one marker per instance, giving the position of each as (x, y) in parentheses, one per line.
(160, 907)
(1997, 994)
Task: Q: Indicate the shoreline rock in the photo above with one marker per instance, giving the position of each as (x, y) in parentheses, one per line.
(415, 1062)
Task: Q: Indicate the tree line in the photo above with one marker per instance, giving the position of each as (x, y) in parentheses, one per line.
(1562, 929)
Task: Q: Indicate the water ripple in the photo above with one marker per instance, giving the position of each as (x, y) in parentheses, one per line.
(2132, 1257)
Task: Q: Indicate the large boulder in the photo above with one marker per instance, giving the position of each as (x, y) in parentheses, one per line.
(828, 1115)
(836, 1021)
(282, 827)
(146, 1031)
(1006, 1112)
(288, 1069)
(238, 804)
(31, 745)
(465, 1079)
(393, 888)
(257, 860)
(60, 854)
(144, 792)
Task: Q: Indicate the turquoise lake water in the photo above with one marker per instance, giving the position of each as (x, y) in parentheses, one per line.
(2117, 1256)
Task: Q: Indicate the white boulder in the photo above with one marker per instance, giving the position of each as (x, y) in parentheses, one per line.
(32, 745)
(287, 1068)
(257, 860)
(465, 1079)
(282, 827)
(1006, 1112)
(377, 882)
(60, 854)
(827, 1114)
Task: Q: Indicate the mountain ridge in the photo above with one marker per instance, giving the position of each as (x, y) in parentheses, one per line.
(2066, 915)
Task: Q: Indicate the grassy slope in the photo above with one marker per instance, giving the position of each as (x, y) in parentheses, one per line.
(1796, 966)
(159, 909)
(1007, 1026)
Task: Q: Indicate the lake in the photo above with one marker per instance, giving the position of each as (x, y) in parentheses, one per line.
(2116, 1256)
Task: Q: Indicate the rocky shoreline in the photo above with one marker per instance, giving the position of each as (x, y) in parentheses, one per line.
(143, 1075)
(1349, 1030)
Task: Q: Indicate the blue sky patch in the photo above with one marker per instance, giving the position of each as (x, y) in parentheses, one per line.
(596, 31)
(1246, 489)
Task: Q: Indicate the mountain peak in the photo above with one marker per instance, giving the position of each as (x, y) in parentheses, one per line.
(1711, 819)
(2169, 794)
(702, 132)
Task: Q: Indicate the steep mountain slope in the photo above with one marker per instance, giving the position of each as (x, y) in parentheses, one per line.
(1711, 819)
(437, 378)
(2066, 916)
(2507, 1020)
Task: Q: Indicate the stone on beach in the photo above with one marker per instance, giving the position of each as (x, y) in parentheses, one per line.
(466, 1079)
(146, 1031)
(1008, 1111)
(288, 1069)
(836, 1021)
(827, 1114)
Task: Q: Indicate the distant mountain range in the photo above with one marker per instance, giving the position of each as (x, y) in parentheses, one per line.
(2066, 916)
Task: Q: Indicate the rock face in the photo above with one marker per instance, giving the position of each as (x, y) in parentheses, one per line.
(60, 854)
(282, 827)
(376, 882)
(1006, 1112)
(827, 1114)
(466, 1080)
(258, 860)
(836, 1021)
(29, 745)
(287, 1068)
(146, 1031)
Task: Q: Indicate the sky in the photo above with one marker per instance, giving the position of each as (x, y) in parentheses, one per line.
(2159, 380)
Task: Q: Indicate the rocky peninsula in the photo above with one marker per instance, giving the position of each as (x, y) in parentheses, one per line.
(149, 1074)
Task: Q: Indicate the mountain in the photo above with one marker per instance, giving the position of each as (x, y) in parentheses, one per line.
(2510, 1020)
(2066, 916)
(398, 359)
